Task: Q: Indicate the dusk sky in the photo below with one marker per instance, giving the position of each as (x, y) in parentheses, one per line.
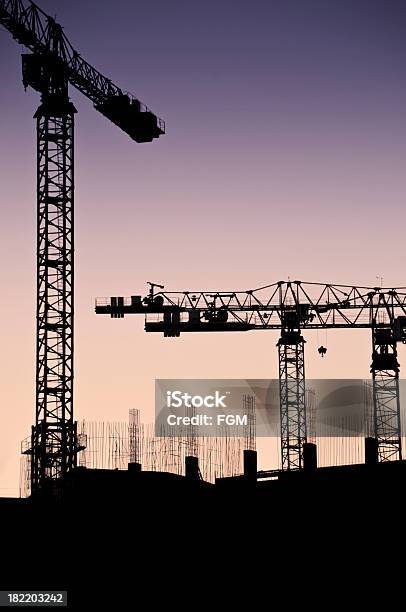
(284, 157)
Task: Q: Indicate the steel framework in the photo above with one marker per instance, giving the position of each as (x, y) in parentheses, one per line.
(386, 399)
(291, 307)
(54, 436)
(292, 395)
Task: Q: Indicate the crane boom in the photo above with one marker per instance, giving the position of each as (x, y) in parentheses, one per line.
(314, 305)
(33, 28)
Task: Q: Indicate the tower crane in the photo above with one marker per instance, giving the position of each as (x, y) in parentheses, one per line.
(51, 65)
(292, 307)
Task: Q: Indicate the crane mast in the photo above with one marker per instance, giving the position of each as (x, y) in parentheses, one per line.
(385, 383)
(51, 66)
(292, 392)
(54, 441)
(292, 307)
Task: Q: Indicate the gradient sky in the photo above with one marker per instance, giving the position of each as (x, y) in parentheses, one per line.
(284, 156)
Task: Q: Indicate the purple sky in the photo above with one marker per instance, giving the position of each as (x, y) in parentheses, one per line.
(285, 156)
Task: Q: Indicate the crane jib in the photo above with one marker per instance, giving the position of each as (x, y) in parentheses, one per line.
(39, 32)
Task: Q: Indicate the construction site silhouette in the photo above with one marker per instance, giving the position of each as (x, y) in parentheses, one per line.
(103, 533)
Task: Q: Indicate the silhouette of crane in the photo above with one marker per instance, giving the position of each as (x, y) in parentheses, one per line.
(292, 307)
(49, 68)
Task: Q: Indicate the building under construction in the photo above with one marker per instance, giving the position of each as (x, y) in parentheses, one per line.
(113, 526)
(138, 499)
